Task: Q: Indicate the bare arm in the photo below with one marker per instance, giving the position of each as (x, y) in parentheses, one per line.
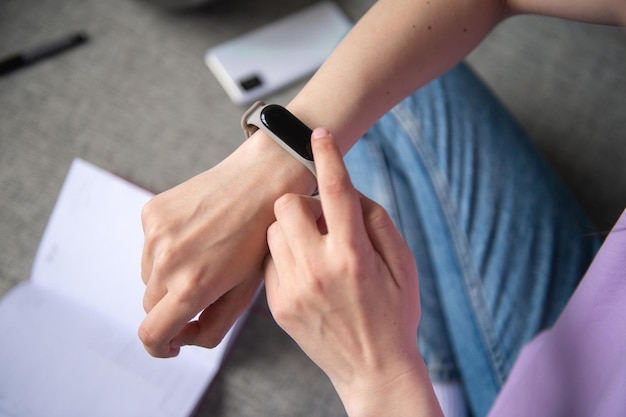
(607, 12)
(398, 46)
(205, 239)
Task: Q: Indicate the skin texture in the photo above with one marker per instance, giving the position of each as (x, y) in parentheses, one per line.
(205, 240)
(339, 280)
(344, 285)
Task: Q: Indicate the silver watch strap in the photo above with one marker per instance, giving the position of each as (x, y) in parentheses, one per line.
(251, 122)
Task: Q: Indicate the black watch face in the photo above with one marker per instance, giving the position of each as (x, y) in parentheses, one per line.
(289, 129)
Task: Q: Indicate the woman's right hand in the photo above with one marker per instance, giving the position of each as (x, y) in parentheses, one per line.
(345, 287)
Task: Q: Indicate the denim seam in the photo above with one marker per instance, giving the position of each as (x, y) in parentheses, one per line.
(381, 162)
(461, 246)
(392, 205)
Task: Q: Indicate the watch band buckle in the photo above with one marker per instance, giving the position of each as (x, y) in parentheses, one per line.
(249, 128)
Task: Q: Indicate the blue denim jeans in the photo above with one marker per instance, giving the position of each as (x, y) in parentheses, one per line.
(499, 243)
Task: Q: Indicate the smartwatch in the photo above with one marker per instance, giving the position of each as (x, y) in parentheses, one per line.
(284, 128)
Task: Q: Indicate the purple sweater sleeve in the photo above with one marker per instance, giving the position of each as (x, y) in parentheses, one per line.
(578, 367)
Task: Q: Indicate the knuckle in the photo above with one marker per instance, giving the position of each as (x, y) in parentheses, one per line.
(284, 202)
(166, 257)
(379, 218)
(147, 304)
(285, 314)
(351, 260)
(188, 290)
(282, 315)
(210, 337)
(336, 183)
(148, 213)
(153, 220)
(213, 340)
(353, 264)
(273, 233)
(148, 338)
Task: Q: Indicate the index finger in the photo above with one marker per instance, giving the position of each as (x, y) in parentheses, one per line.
(340, 201)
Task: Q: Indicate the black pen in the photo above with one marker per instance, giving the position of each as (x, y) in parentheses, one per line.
(25, 58)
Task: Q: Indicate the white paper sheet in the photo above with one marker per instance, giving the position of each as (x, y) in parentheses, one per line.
(69, 335)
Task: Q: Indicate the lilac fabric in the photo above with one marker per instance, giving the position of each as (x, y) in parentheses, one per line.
(578, 367)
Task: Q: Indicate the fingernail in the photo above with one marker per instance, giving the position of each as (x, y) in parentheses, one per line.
(319, 133)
